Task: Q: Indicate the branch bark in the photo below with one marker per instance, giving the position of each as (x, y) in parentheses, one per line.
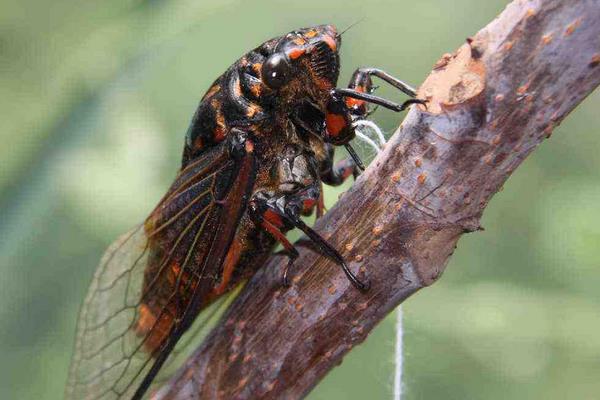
(490, 105)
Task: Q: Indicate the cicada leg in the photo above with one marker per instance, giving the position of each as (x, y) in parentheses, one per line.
(360, 89)
(283, 212)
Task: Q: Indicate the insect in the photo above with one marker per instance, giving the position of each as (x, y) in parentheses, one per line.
(259, 147)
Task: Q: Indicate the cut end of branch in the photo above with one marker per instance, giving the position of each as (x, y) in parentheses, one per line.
(456, 79)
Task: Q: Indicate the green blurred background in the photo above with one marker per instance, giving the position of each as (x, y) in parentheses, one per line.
(95, 99)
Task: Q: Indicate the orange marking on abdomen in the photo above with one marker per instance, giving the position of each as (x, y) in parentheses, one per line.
(231, 260)
(155, 332)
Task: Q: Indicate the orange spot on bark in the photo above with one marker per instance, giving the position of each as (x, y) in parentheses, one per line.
(418, 162)
(572, 27)
(421, 178)
(377, 229)
(523, 89)
(243, 382)
(546, 39)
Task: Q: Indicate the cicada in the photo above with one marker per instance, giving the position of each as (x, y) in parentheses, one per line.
(258, 150)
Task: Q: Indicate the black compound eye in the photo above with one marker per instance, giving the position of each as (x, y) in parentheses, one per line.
(276, 70)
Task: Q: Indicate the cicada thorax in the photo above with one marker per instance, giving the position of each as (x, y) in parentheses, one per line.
(237, 99)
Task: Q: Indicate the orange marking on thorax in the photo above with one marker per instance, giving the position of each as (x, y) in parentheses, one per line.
(213, 89)
(256, 89)
(299, 41)
(257, 67)
(323, 83)
(330, 42)
(296, 52)
(253, 109)
(335, 123)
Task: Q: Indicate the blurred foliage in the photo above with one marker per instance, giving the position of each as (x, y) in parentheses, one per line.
(96, 97)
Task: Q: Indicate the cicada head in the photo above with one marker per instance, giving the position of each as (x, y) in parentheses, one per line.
(304, 63)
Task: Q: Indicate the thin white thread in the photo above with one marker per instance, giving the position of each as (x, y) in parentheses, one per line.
(367, 140)
(372, 128)
(398, 357)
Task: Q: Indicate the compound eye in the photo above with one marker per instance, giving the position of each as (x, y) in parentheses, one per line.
(276, 70)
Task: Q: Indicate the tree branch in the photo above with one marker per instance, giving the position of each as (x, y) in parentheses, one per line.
(490, 105)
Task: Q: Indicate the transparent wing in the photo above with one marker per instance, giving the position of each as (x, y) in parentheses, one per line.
(106, 341)
(152, 282)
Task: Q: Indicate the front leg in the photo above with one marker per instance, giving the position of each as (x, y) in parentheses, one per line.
(361, 82)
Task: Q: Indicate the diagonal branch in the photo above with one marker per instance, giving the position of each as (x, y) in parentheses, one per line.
(490, 105)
